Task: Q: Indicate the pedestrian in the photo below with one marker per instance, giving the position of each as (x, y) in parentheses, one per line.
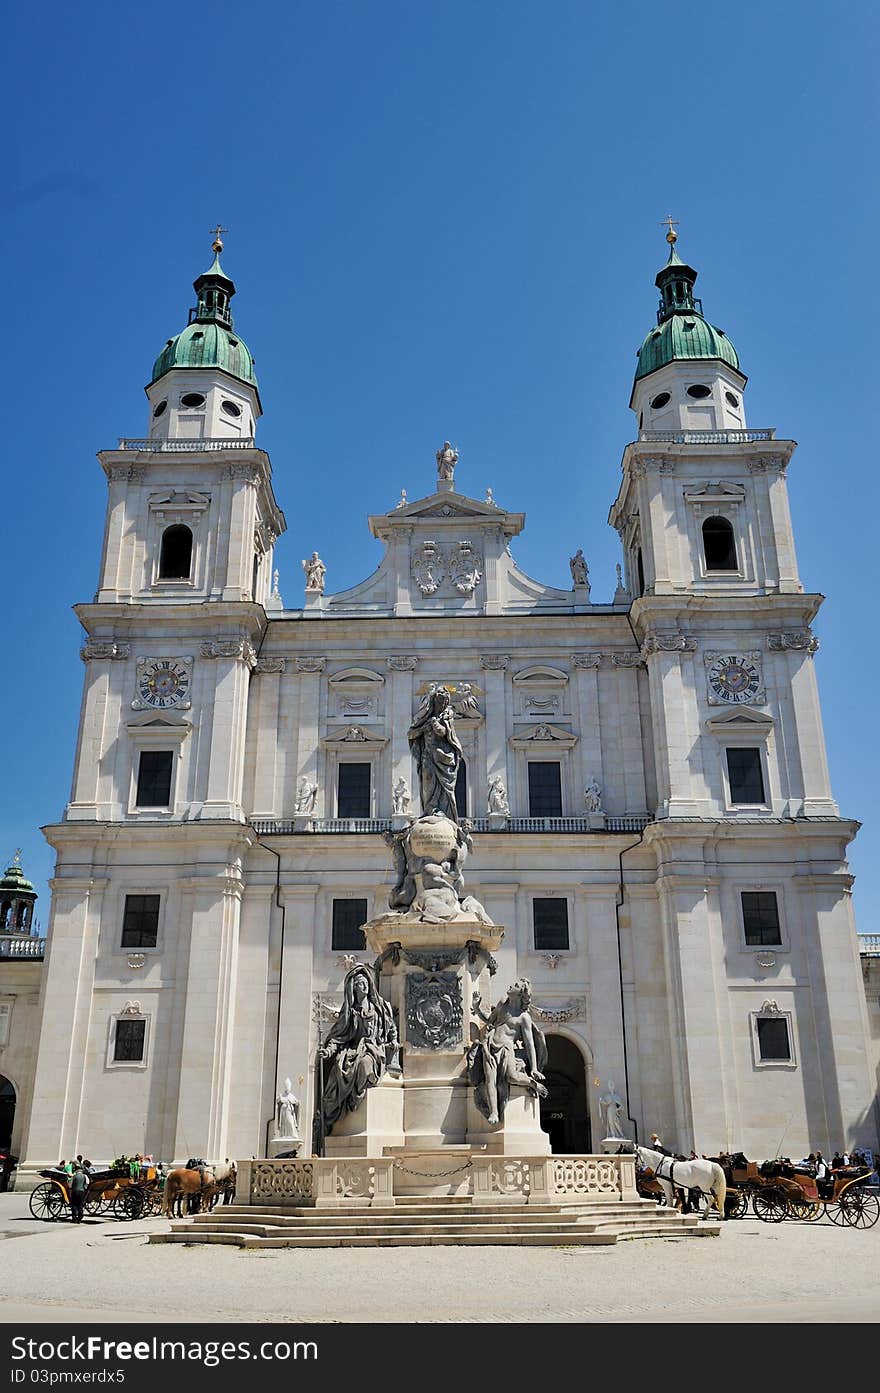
(656, 1144)
(79, 1183)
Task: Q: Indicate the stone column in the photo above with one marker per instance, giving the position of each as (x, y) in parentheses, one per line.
(68, 985)
(603, 984)
(114, 532)
(586, 704)
(93, 718)
(676, 728)
(297, 1031)
(494, 666)
(242, 515)
(255, 1019)
(799, 678)
(783, 533)
(234, 659)
(401, 704)
(267, 674)
(308, 671)
(213, 905)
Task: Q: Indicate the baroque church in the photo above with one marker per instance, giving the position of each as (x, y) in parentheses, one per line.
(646, 781)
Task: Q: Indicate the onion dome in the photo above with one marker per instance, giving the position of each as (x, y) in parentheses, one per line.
(209, 340)
(682, 333)
(14, 882)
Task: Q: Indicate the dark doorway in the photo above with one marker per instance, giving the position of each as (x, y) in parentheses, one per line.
(7, 1112)
(564, 1113)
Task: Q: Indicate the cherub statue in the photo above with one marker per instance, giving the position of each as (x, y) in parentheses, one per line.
(447, 459)
(512, 1051)
(315, 571)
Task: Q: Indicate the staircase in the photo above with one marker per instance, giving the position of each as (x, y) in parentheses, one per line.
(450, 1220)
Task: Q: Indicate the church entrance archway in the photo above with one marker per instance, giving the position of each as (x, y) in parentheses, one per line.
(7, 1112)
(564, 1113)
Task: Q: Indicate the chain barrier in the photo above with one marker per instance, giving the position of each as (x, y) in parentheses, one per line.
(431, 1175)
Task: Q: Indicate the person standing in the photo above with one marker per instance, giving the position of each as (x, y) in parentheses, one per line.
(79, 1183)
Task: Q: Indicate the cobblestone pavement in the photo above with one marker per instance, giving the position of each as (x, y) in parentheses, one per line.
(105, 1271)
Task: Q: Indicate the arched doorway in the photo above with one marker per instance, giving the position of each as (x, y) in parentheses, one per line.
(7, 1112)
(564, 1112)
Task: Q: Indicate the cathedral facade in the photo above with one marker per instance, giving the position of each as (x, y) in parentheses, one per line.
(652, 816)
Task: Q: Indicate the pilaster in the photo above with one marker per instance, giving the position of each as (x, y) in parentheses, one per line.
(234, 660)
(267, 675)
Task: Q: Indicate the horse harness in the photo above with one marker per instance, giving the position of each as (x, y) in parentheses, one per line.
(671, 1176)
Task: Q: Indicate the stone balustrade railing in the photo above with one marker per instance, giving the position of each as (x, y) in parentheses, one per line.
(708, 437)
(31, 948)
(869, 945)
(157, 445)
(275, 827)
(325, 1182)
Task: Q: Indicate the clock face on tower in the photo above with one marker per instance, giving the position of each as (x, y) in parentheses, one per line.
(734, 677)
(163, 682)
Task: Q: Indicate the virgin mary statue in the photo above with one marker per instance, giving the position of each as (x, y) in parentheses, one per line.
(437, 753)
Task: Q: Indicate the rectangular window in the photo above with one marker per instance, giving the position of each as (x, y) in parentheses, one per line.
(5, 1013)
(545, 788)
(761, 918)
(353, 790)
(154, 779)
(129, 1041)
(140, 921)
(746, 778)
(349, 916)
(550, 918)
(461, 789)
(773, 1041)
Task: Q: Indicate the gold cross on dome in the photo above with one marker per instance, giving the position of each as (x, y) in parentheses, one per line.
(216, 233)
(670, 222)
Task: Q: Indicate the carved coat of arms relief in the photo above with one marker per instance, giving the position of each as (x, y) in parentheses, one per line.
(455, 568)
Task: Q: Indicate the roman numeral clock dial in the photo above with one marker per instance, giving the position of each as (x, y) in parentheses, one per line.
(734, 678)
(163, 682)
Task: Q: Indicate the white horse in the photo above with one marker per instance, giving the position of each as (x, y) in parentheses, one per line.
(706, 1176)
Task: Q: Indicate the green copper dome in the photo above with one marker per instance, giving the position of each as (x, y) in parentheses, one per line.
(209, 340)
(14, 880)
(682, 334)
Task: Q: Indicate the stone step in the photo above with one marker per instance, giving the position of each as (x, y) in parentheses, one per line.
(610, 1206)
(464, 1216)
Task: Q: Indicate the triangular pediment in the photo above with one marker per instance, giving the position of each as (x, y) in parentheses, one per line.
(440, 508)
(743, 721)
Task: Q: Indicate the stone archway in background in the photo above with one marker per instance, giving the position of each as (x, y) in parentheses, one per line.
(7, 1111)
(565, 1115)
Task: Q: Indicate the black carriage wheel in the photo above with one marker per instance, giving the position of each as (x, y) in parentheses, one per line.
(93, 1205)
(770, 1205)
(46, 1202)
(130, 1204)
(861, 1208)
(736, 1205)
(835, 1212)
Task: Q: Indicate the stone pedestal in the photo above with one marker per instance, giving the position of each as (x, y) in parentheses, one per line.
(375, 1126)
(517, 1134)
(285, 1146)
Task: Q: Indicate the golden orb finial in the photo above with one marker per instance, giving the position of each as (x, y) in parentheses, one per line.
(217, 244)
(671, 224)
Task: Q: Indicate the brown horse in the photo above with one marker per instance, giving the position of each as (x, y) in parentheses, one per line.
(186, 1184)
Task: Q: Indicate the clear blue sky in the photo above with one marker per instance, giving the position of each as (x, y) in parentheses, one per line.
(443, 222)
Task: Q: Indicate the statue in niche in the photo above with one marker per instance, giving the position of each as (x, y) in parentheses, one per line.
(437, 752)
(611, 1108)
(511, 1052)
(497, 800)
(315, 571)
(400, 799)
(593, 796)
(306, 795)
(447, 459)
(287, 1112)
(580, 574)
(360, 1047)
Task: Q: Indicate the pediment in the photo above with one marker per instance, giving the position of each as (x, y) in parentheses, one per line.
(743, 721)
(541, 676)
(166, 723)
(353, 737)
(714, 491)
(543, 735)
(180, 500)
(440, 508)
(351, 677)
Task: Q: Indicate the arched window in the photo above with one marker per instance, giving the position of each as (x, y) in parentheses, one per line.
(175, 558)
(461, 789)
(718, 545)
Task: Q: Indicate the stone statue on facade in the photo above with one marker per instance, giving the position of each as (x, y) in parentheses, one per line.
(497, 799)
(287, 1113)
(512, 1051)
(400, 797)
(315, 571)
(580, 574)
(593, 796)
(360, 1047)
(306, 795)
(437, 753)
(447, 459)
(611, 1108)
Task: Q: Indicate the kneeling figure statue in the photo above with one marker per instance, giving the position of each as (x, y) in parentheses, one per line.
(361, 1045)
(512, 1051)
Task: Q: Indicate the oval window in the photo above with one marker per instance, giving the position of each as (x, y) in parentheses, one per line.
(660, 400)
(160, 408)
(732, 399)
(699, 391)
(230, 408)
(192, 399)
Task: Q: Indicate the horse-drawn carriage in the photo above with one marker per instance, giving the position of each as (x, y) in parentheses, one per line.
(118, 1191)
(777, 1190)
(197, 1186)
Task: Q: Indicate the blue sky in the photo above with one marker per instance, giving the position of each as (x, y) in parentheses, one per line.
(443, 222)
